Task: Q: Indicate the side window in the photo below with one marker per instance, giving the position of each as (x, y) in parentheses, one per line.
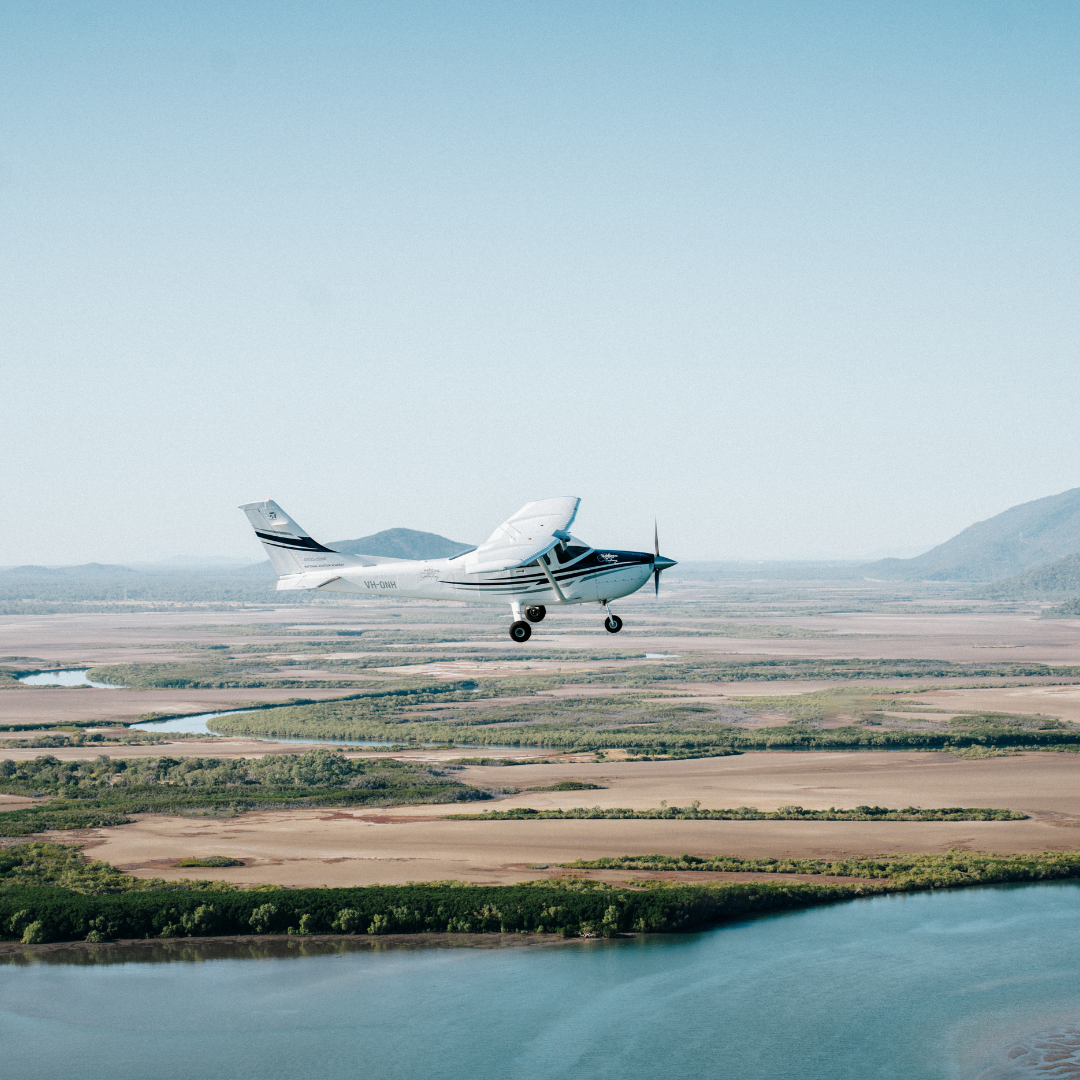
(569, 552)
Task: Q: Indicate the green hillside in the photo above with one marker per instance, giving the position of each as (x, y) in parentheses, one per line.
(1055, 581)
(1013, 542)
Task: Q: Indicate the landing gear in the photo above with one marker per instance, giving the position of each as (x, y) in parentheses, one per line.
(522, 631)
(612, 624)
(536, 614)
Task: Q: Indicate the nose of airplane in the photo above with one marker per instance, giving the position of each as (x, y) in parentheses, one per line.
(659, 562)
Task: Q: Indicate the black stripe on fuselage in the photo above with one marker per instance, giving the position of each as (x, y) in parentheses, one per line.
(586, 567)
(292, 543)
(581, 571)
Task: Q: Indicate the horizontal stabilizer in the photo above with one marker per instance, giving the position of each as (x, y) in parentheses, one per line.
(305, 581)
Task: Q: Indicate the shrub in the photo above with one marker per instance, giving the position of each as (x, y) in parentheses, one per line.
(262, 918)
(348, 921)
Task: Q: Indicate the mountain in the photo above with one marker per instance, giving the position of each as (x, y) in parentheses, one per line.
(402, 544)
(86, 570)
(1015, 541)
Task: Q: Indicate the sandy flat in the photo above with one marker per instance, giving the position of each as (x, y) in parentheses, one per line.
(393, 845)
(122, 637)
(311, 848)
(1032, 782)
(18, 802)
(1060, 701)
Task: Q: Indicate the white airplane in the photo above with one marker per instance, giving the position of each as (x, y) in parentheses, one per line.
(530, 561)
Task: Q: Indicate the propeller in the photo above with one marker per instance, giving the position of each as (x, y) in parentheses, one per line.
(659, 562)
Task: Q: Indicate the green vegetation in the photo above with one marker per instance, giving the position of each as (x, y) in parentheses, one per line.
(203, 674)
(47, 893)
(747, 813)
(1068, 610)
(46, 819)
(1053, 581)
(645, 724)
(569, 785)
(61, 866)
(102, 791)
(51, 739)
(901, 871)
(211, 861)
(258, 665)
(578, 723)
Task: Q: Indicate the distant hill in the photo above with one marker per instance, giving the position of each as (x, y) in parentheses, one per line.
(1054, 581)
(402, 544)
(1011, 543)
(85, 570)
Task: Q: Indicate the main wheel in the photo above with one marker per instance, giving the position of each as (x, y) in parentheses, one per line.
(520, 631)
(536, 614)
(613, 624)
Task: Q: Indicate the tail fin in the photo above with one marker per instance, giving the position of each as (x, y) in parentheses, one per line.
(291, 550)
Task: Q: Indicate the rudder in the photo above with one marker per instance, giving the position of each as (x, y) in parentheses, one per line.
(290, 549)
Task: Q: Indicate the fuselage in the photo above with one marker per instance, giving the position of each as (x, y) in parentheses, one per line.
(583, 575)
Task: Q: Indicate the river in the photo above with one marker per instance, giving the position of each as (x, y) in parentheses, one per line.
(200, 723)
(959, 985)
(70, 677)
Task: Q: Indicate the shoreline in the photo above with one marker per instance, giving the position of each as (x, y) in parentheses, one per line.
(267, 946)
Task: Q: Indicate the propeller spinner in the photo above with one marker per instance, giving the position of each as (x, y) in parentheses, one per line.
(659, 561)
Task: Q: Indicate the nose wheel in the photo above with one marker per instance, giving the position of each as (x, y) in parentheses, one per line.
(522, 631)
(613, 624)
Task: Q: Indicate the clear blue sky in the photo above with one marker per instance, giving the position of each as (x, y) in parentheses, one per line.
(799, 279)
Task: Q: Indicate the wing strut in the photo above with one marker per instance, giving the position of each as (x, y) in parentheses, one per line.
(547, 573)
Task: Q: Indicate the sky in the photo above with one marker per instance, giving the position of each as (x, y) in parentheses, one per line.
(797, 280)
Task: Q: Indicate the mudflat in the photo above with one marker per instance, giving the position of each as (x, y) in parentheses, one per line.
(304, 848)
(982, 635)
(412, 843)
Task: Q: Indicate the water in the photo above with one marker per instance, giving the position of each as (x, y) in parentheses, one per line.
(939, 986)
(66, 678)
(200, 725)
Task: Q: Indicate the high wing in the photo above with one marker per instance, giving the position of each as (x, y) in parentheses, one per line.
(533, 531)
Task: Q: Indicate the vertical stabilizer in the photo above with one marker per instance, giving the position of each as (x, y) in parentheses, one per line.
(291, 550)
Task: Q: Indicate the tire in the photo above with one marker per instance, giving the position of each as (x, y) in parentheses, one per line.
(613, 624)
(536, 614)
(520, 631)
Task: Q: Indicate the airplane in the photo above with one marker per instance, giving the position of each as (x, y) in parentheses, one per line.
(531, 561)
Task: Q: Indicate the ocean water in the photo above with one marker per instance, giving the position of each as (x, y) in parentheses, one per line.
(978, 984)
